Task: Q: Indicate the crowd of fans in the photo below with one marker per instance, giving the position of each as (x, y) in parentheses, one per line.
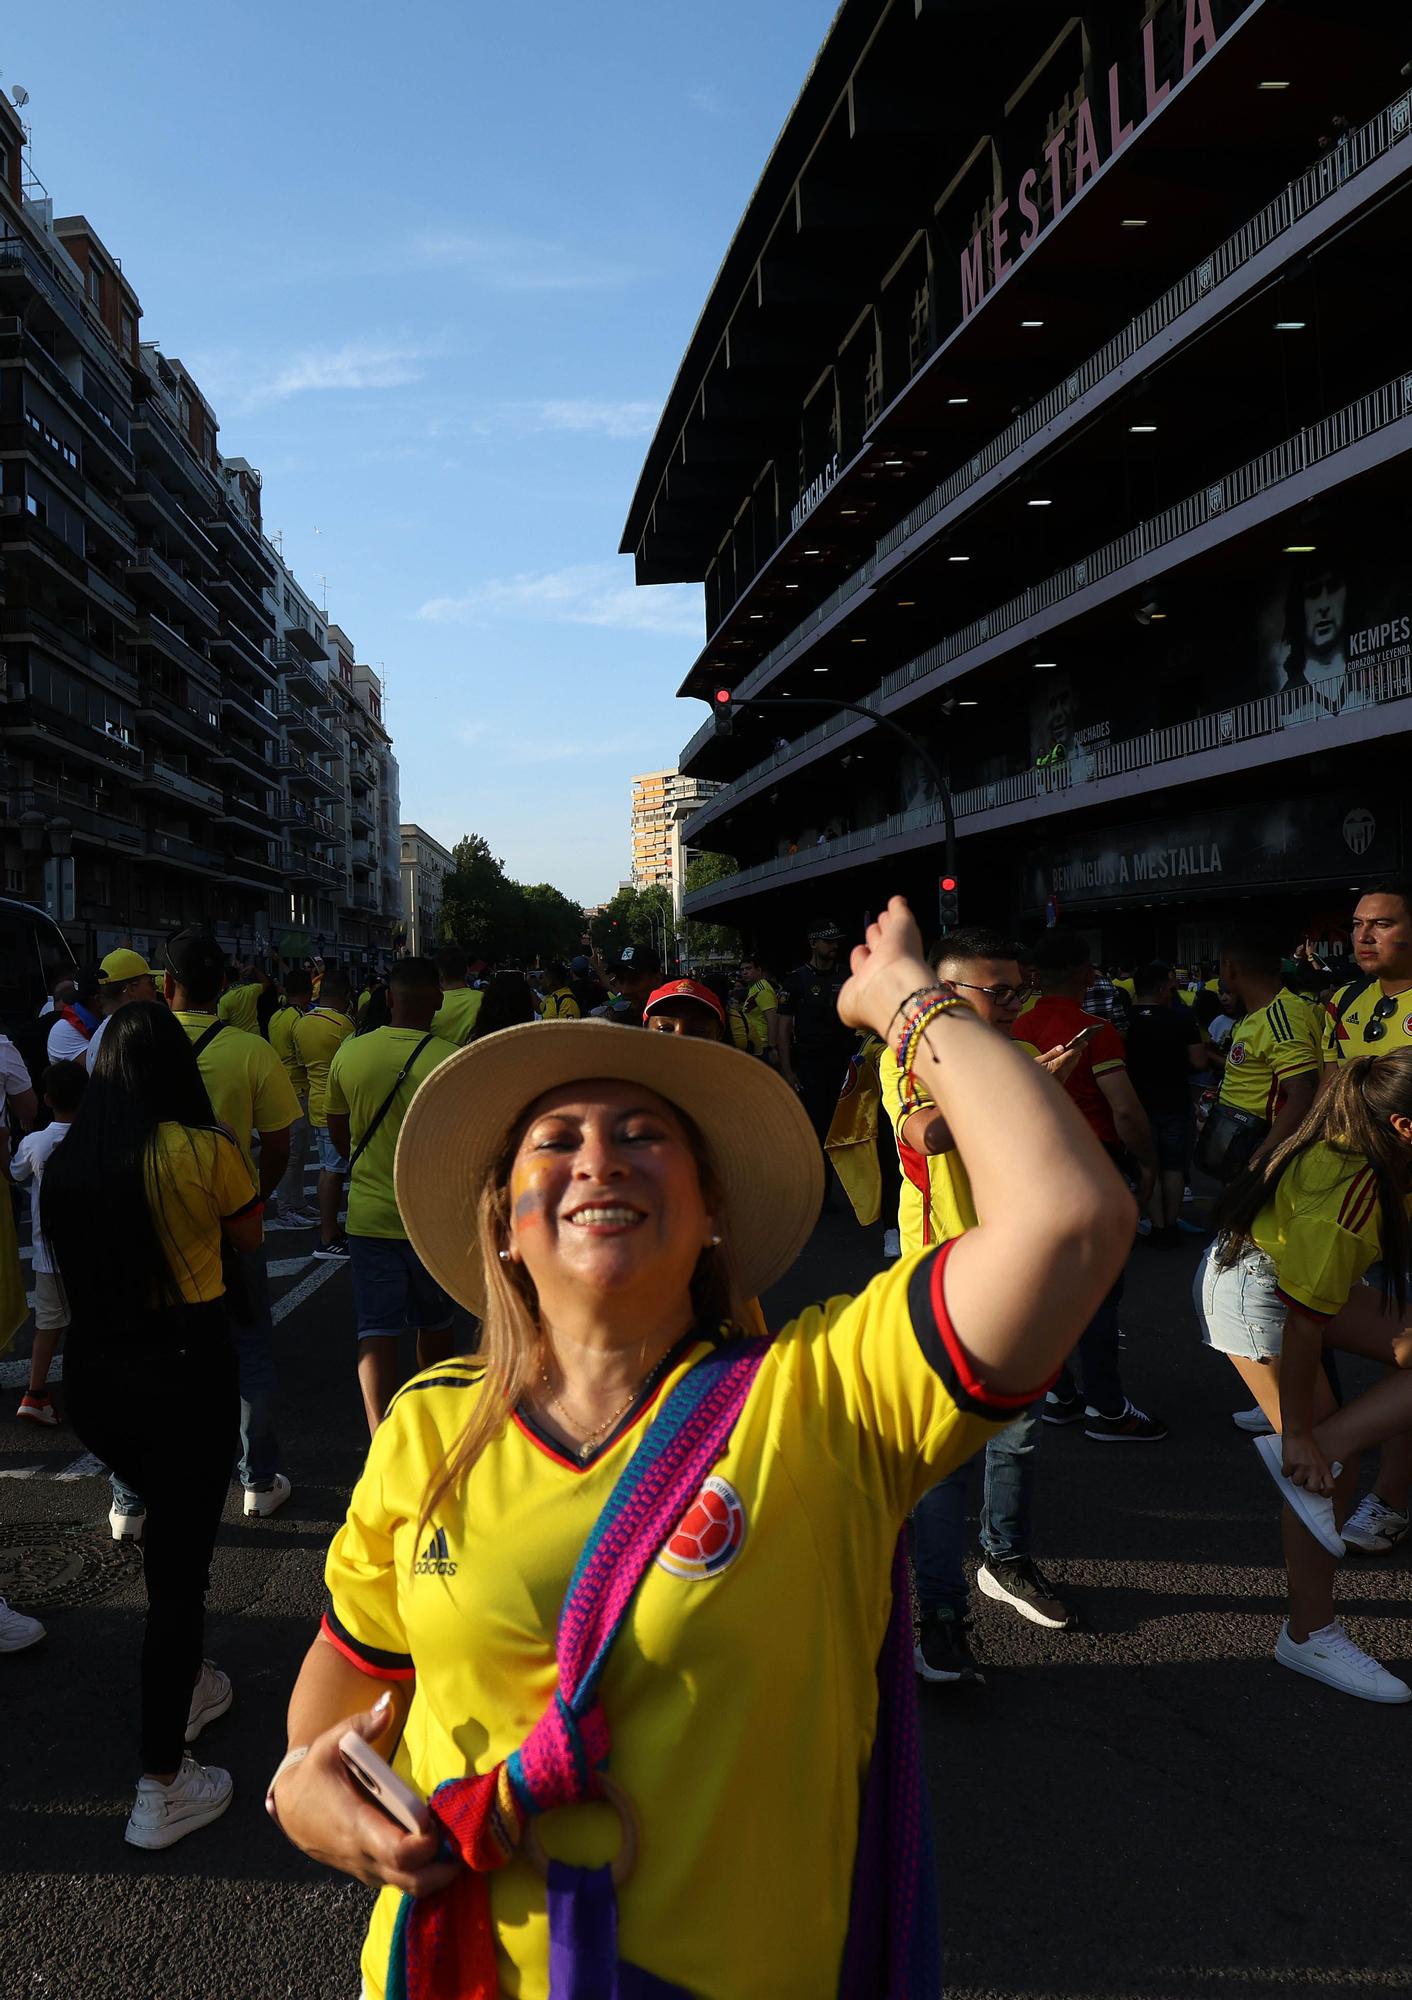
(1261, 1105)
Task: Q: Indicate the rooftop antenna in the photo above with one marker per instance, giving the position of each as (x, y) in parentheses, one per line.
(323, 582)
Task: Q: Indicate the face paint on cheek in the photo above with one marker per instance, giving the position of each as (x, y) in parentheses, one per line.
(529, 1197)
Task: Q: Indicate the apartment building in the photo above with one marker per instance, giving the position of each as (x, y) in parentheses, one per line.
(159, 760)
(1052, 403)
(661, 802)
(425, 867)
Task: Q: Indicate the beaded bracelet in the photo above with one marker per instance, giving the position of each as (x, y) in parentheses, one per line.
(922, 993)
(914, 1034)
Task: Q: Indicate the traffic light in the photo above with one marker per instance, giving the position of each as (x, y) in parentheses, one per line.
(722, 711)
(949, 904)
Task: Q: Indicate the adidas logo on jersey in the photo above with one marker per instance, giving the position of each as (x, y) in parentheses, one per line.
(435, 1560)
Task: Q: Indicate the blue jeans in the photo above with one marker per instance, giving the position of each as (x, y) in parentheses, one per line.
(253, 1333)
(939, 1520)
(1098, 1360)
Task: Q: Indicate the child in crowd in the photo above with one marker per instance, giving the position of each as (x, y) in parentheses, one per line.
(62, 1088)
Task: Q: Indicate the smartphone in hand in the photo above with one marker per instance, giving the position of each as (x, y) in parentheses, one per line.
(1083, 1037)
(376, 1777)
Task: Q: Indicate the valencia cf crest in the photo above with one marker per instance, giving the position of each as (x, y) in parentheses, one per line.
(709, 1535)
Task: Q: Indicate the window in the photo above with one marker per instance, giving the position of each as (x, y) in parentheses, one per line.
(129, 331)
(95, 282)
(185, 407)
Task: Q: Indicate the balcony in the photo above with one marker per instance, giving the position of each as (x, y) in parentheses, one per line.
(92, 826)
(147, 567)
(179, 719)
(23, 623)
(240, 656)
(248, 707)
(246, 759)
(154, 507)
(359, 818)
(158, 441)
(250, 872)
(240, 540)
(240, 602)
(23, 267)
(63, 735)
(188, 855)
(300, 643)
(112, 442)
(166, 780)
(156, 633)
(302, 867)
(301, 723)
(299, 678)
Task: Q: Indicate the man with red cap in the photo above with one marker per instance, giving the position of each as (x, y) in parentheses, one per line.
(685, 1007)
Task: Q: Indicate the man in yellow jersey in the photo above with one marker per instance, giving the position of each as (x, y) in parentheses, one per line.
(316, 1039)
(249, 1092)
(1371, 1016)
(460, 1003)
(124, 976)
(239, 1004)
(290, 1209)
(761, 1010)
(935, 1205)
(1273, 1056)
(558, 1003)
(371, 1081)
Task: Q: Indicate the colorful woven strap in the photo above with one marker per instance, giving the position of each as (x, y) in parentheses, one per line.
(443, 1947)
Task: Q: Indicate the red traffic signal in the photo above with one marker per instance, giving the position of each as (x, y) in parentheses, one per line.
(721, 710)
(949, 904)
(722, 696)
(948, 884)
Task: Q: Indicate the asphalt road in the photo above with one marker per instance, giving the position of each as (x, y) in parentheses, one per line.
(1145, 1807)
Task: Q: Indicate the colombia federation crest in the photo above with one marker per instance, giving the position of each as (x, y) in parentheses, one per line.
(709, 1535)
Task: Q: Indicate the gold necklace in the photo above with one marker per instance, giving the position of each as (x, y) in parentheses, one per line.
(584, 1448)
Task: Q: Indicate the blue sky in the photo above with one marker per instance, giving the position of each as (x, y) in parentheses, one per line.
(435, 265)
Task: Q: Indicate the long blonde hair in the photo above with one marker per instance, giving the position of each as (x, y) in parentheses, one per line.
(513, 1344)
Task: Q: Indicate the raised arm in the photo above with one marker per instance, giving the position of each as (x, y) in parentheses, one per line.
(1057, 1219)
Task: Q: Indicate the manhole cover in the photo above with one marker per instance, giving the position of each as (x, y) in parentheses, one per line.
(60, 1562)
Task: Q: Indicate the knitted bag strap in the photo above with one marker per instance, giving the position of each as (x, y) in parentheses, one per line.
(443, 1947)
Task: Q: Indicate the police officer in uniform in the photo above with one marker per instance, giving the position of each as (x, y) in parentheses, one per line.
(815, 1046)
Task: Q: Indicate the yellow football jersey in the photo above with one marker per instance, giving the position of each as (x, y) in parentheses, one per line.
(1268, 1048)
(740, 1692)
(1348, 1037)
(934, 1203)
(1322, 1231)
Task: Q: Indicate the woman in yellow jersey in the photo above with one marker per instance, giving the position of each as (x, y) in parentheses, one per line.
(1313, 1252)
(136, 1206)
(606, 1201)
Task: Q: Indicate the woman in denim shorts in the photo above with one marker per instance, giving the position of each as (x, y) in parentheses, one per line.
(1300, 1231)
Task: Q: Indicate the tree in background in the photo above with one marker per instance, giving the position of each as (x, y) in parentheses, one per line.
(704, 940)
(497, 919)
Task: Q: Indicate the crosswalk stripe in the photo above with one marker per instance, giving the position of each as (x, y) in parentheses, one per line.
(15, 1374)
(305, 1289)
(87, 1467)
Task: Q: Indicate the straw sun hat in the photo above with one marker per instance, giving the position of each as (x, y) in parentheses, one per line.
(761, 1143)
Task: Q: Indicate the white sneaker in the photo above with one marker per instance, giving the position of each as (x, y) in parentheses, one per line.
(892, 1243)
(1331, 1656)
(265, 1504)
(209, 1698)
(163, 1814)
(1315, 1510)
(17, 1631)
(125, 1527)
(1253, 1422)
(1373, 1528)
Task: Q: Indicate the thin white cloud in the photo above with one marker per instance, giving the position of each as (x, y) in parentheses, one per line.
(516, 747)
(355, 365)
(582, 594)
(707, 101)
(585, 414)
(518, 263)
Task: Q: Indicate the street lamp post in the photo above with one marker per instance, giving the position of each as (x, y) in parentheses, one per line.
(934, 770)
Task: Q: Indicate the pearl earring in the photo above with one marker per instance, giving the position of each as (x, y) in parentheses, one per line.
(504, 1256)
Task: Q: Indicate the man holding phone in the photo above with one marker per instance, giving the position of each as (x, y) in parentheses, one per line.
(1103, 1091)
